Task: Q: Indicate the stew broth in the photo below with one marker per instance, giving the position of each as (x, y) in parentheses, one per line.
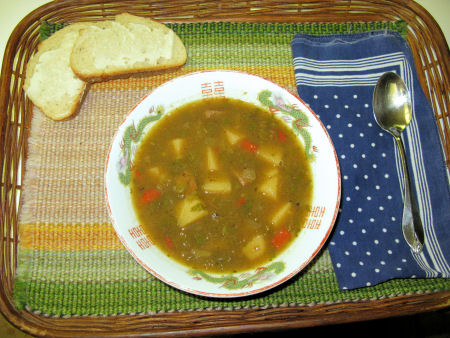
(221, 185)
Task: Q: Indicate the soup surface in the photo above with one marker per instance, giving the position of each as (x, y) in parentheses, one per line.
(221, 185)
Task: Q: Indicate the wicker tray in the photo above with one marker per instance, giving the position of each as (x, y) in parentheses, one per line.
(432, 60)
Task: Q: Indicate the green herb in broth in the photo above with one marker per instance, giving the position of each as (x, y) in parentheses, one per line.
(221, 185)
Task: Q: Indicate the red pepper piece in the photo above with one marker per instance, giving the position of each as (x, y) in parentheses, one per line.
(281, 238)
(281, 136)
(241, 201)
(150, 195)
(249, 146)
(168, 242)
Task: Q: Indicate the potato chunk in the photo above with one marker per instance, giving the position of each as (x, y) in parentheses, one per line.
(270, 154)
(178, 145)
(232, 136)
(189, 210)
(157, 173)
(269, 187)
(245, 176)
(255, 247)
(220, 185)
(281, 214)
(211, 159)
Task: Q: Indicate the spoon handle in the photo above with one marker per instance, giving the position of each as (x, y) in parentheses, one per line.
(411, 223)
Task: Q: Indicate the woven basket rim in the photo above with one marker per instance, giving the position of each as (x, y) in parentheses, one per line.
(431, 53)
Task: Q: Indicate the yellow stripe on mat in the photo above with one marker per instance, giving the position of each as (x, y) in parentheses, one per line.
(68, 237)
(282, 75)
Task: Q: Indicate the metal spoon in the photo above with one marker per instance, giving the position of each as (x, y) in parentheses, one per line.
(393, 113)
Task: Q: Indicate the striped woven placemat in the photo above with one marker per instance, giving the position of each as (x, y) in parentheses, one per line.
(71, 263)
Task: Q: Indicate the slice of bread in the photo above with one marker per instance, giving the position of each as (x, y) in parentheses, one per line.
(127, 45)
(50, 82)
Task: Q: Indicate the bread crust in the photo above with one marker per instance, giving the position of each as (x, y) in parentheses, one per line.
(82, 62)
(57, 108)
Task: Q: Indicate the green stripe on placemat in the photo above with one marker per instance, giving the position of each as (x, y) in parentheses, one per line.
(58, 275)
(124, 287)
(238, 29)
(324, 28)
(47, 28)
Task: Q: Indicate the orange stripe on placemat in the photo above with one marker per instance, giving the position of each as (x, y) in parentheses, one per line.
(282, 75)
(70, 237)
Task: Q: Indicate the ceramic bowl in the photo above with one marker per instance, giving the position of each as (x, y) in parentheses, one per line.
(293, 111)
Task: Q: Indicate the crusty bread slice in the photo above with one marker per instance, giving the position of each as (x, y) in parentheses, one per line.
(127, 45)
(50, 82)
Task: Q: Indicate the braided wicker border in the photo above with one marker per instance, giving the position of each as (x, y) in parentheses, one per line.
(431, 55)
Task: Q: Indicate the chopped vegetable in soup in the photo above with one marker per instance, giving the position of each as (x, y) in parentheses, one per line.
(221, 185)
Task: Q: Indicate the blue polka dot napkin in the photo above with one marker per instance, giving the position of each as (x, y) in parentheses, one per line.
(336, 76)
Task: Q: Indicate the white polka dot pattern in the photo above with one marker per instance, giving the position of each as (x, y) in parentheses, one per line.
(370, 183)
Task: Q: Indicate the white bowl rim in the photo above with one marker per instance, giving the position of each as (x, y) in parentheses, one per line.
(263, 288)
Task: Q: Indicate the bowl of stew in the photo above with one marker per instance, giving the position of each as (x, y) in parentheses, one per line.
(222, 183)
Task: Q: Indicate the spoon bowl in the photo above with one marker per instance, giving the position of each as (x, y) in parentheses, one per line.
(393, 112)
(392, 103)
